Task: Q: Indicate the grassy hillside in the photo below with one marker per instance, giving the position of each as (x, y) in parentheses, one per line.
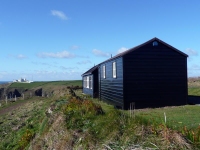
(63, 122)
(194, 86)
(47, 84)
(69, 123)
(174, 117)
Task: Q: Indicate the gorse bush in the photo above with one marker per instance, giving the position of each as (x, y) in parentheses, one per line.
(90, 107)
(79, 113)
(26, 138)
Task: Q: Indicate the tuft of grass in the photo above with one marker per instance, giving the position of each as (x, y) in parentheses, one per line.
(26, 138)
(192, 134)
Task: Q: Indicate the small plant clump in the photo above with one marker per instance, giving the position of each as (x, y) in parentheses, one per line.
(79, 112)
(26, 138)
(192, 134)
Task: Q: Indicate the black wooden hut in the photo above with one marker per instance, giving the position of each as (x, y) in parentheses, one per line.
(90, 82)
(153, 74)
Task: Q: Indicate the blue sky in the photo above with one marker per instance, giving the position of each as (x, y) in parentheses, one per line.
(45, 40)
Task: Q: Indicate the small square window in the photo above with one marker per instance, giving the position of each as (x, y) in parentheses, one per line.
(155, 43)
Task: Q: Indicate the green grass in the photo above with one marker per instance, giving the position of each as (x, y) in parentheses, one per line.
(46, 84)
(194, 91)
(176, 117)
(85, 126)
(89, 129)
(194, 87)
(23, 123)
(117, 130)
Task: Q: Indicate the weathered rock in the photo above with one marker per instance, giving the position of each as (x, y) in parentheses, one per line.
(38, 92)
(2, 93)
(13, 93)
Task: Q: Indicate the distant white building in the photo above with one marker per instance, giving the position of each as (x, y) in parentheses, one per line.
(22, 80)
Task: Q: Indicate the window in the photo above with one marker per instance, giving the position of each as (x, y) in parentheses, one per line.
(84, 82)
(114, 70)
(90, 82)
(104, 71)
(87, 82)
(155, 43)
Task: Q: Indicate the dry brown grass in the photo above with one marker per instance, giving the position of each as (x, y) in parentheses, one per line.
(57, 137)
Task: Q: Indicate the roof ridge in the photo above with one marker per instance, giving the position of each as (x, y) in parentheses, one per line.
(140, 45)
(135, 48)
(90, 70)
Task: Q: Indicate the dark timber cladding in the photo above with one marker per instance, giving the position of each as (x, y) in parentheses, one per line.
(111, 88)
(155, 76)
(90, 82)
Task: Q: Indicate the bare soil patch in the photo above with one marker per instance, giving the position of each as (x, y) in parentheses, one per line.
(14, 106)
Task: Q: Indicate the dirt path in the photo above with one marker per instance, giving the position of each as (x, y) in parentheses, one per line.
(14, 106)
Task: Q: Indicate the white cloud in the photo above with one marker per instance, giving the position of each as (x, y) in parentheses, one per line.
(68, 68)
(84, 62)
(20, 56)
(194, 67)
(42, 64)
(3, 73)
(74, 47)
(59, 14)
(43, 75)
(63, 54)
(191, 52)
(194, 70)
(122, 49)
(100, 53)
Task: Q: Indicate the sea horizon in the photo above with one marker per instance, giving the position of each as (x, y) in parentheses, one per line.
(5, 82)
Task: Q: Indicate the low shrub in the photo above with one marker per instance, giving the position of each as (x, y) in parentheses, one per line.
(79, 113)
(26, 138)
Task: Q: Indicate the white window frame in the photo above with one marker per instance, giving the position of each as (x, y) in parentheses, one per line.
(114, 68)
(84, 82)
(87, 82)
(104, 71)
(90, 82)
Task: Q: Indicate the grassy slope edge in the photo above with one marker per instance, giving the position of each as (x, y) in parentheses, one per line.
(51, 123)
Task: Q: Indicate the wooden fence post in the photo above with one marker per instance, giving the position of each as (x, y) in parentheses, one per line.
(6, 99)
(132, 109)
